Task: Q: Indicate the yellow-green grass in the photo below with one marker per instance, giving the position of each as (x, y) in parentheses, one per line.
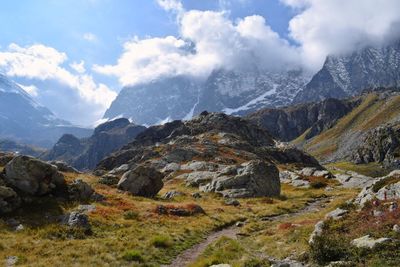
(372, 112)
(126, 229)
(278, 239)
(372, 169)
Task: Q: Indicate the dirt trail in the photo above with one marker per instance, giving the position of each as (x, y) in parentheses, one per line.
(191, 254)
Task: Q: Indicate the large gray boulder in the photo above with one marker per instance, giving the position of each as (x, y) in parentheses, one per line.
(255, 178)
(32, 176)
(142, 181)
(9, 200)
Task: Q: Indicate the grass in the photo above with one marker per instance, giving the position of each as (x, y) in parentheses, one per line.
(372, 169)
(124, 223)
(371, 113)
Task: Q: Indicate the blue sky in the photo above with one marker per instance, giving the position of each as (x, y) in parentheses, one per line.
(74, 56)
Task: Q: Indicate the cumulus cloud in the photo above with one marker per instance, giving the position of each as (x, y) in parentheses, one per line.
(208, 40)
(42, 63)
(342, 26)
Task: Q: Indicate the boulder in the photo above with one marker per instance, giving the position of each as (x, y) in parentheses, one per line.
(80, 190)
(9, 200)
(63, 166)
(369, 242)
(32, 176)
(336, 214)
(142, 181)
(318, 229)
(171, 167)
(172, 194)
(200, 166)
(120, 170)
(199, 178)
(255, 178)
(77, 219)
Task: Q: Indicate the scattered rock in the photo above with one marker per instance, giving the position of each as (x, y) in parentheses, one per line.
(300, 183)
(119, 170)
(63, 166)
(240, 224)
(369, 242)
(109, 179)
(172, 194)
(183, 211)
(80, 190)
(77, 219)
(336, 214)
(171, 167)
(318, 229)
(9, 200)
(32, 176)
(199, 178)
(142, 181)
(255, 178)
(11, 261)
(232, 202)
(200, 166)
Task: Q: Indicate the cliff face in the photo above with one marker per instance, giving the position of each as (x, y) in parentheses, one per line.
(86, 153)
(289, 123)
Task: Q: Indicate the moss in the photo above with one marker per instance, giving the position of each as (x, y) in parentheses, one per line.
(371, 169)
(161, 241)
(133, 255)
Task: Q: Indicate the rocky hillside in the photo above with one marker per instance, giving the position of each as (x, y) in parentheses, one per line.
(22, 119)
(8, 145)
(358, 131)
(216, 152)
(87, 152)
(233, 92)
(349, 75)
(289, 123)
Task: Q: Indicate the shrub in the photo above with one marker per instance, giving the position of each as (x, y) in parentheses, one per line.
(133, 255)
(256, 263)
(327, 248)
(131, 215)
(161, 241)
(318, 184)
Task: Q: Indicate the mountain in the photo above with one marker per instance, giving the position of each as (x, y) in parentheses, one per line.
(23, 119)
(85, 153)
(231, 91)
(348, 75)
(288, 123)
(7, 145)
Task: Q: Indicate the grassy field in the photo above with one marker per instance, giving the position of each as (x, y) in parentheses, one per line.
(127, 230)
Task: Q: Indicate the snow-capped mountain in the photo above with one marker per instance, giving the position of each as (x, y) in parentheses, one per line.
(343, 76)
(233, 92)
(23, 119)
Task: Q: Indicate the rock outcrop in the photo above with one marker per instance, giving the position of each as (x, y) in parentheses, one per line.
(32, 176)
(142, 181)
(85, 153)
(288, 123)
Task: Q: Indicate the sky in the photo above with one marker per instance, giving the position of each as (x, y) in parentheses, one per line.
(74, 56)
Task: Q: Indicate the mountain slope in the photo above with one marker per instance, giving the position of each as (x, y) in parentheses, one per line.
(87, 152)
(23, 119)
(349, 75)
(233, 92)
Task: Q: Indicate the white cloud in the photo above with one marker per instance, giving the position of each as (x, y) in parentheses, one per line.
(341, 26)
(43, 63)
(78, 67)
(90, 37)
(30, 89)
(171, 5)
(209, 40)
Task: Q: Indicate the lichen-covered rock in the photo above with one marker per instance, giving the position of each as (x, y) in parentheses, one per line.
(369, 242)
(336, 214)
(80, 190)
(318, 229)
(9, 200)
(32, 176)
(142, 181)
(254, 179)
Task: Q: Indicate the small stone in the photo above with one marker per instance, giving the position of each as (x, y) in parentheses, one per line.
(368, 242)
(318, 229)
(396, 228)
(11, 261)
(172, 194)
(336, 214)
(86, 208)
(239, 224)
(196, 195)
(232, 202)
(377, 213)
(19, 228)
